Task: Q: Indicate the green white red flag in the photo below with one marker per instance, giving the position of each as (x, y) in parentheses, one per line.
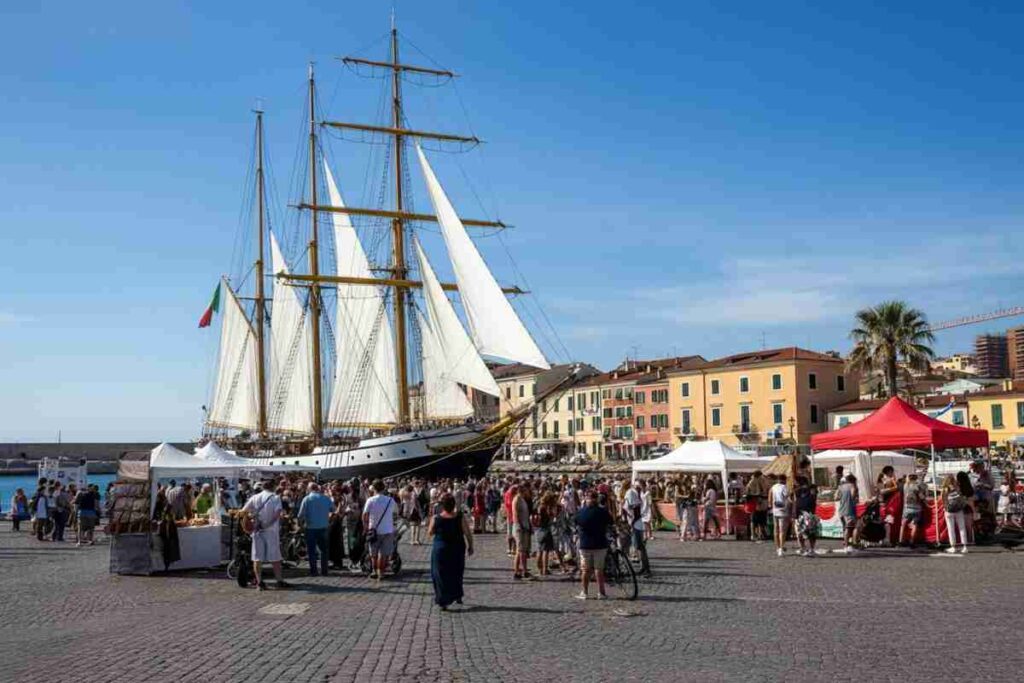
(211, 309)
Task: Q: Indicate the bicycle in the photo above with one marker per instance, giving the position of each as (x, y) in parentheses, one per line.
(619, 575)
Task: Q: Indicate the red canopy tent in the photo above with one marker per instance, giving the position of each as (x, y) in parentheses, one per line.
(896, 425)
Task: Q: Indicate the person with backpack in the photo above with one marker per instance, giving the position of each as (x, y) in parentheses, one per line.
(954, 504)
(778, 495)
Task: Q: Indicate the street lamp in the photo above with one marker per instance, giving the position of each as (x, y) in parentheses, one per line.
(792, 426)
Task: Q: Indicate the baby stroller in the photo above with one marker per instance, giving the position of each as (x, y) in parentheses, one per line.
(870, 527)
(394, 562)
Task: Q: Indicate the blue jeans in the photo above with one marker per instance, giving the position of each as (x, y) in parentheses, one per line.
(316, 539)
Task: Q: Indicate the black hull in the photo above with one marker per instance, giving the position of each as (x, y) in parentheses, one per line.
(431, 467)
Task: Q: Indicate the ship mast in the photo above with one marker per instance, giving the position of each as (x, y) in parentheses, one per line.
(398, 271)
(314, 267)
(261, 381)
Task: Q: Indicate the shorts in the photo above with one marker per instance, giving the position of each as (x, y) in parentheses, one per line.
(86, 522)
(760, 518)
(780, 513)
(523, 540)
(849, 522)
(912, 516)
(383, 545)
(592, 559)
(266, 545)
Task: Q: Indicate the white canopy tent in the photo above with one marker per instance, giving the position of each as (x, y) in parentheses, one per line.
(212, 453)
(866, 466)
(703, 456)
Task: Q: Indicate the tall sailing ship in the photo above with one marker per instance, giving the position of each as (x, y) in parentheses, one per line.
(279, 397)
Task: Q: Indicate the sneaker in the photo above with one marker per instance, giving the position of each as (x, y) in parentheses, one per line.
(260, 587)
(951, 550)
(602, 596)
(963, 551)
(581, 596)
(780, 552)
(811, 553)
(517, 577)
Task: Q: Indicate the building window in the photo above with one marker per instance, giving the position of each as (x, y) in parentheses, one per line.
(744, 419)
(521, 388)
(579, 424)
(814, 414)
(659, 396)
(686, 389)
(640, 397)
(776, 382)
(840, 383)
(777, 413)
(581, 401)
(606, 393)
(640, 422)
(533, 389)
(686, 421)
(568, 404)
(594, 399)
(595, 423)
(716, 417)
(544, 405)
(843, 421)
(554, 426)
(607, 412)
(812, 381)
(557, 401)
(997, 416)
(522, 431)
(569, 427)
(508, 393)
(744, 384)
(958, 416)
(714, 387)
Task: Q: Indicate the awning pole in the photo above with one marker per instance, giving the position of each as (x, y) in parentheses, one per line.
(935, 497)
(725, 485)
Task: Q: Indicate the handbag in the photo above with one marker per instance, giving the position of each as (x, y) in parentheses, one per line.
(371, 534)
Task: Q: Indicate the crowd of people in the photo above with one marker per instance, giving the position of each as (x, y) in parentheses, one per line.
(552, 525)
(55, 508)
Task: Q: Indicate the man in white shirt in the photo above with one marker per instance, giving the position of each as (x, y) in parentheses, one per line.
(379, 522)
(632, 506)
(266, 511)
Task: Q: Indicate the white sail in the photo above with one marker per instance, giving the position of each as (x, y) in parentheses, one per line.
(497, 330)
(291, 381)
(364, 390)
(235, 403)
(463, 363)
(442, 397)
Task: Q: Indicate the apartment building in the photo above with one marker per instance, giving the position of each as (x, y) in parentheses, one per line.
(759, 397)
(1000, 410)
(991, 355)
(650, 414)
(937, 407)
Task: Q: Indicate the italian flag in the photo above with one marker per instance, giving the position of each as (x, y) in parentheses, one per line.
(211, 309)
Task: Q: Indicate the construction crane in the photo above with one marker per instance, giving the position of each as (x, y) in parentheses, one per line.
(980, 318)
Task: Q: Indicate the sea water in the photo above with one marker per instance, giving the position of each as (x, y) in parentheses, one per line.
(9, 483)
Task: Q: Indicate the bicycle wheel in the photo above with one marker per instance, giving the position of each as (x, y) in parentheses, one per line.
(620, 576)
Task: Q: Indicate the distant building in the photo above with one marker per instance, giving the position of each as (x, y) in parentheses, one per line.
(991, 355)
(751, 398)
(967, 385)
(933, 406)
(1015, 353)
(1000, 410)
(958, 362)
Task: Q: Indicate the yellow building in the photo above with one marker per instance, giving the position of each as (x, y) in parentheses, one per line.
(759, 397)
(1000, 410)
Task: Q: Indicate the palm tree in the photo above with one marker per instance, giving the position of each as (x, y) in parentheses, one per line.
(887, 333)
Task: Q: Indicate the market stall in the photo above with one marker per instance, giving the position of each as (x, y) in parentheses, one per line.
(143, 544)
(704, 457)
(898, 425)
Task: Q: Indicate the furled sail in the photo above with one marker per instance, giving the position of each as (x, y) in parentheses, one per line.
(442, 397)
(497, 330)
(235, 403)
(365, 390)
(291, 380)
(463, 363)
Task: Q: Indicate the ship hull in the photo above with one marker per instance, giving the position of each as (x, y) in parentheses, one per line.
(454, 452)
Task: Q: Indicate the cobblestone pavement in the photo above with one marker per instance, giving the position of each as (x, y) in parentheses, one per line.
(715, 611)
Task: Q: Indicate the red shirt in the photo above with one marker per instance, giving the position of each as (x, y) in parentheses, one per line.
(507, 501)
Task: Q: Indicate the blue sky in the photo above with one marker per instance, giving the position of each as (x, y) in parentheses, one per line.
(683, 177)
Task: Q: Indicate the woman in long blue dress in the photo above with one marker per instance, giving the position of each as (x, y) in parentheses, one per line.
(453, 542)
